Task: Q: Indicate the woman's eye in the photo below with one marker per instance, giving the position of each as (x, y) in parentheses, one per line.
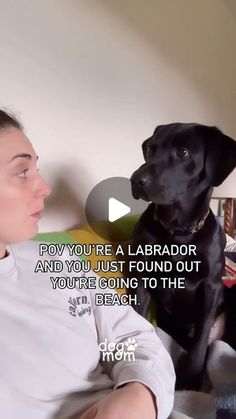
(183, 153)
(23, 174)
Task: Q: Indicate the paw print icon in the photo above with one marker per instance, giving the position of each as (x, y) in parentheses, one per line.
(131, 345)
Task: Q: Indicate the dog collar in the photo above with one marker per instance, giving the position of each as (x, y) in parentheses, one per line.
(187, 230)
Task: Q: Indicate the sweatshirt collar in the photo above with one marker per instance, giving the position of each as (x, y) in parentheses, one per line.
(7, 264)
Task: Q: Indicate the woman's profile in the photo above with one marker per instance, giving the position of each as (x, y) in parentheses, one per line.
(53, 363)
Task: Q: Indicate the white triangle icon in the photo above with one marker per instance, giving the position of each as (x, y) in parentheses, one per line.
(116, 209)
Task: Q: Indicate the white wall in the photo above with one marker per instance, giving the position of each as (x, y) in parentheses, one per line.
(90, 80)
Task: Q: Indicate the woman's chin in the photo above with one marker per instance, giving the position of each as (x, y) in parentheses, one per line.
(28, 233)
(33, 231)
(17, 235)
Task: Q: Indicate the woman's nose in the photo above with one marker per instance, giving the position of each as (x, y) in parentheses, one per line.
(43, 189)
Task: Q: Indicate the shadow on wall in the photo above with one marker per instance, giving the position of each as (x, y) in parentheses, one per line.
(197, 39)
(66, 201)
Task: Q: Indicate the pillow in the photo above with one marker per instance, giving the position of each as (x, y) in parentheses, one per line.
(230, 244)
(229, 276)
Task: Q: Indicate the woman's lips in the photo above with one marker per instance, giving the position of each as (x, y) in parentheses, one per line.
(37, 215)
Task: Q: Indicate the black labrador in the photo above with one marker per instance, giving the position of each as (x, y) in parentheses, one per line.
(183, 162)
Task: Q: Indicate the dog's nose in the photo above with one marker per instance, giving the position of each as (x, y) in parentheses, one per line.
(141, 181)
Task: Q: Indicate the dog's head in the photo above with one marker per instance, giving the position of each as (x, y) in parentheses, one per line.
(183, 158)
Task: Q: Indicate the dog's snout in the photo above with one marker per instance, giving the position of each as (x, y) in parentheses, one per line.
(140, 180)
(143, 181)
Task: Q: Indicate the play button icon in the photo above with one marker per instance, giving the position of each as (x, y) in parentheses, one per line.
(117, 209)
(111, 210)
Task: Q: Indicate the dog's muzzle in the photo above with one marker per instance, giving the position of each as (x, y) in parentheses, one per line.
(139, 184)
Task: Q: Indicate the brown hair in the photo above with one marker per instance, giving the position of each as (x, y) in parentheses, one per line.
(7, 120)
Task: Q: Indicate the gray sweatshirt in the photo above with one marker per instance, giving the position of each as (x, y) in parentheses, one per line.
(60, 352)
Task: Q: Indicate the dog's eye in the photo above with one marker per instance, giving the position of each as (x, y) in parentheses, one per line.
(182, 153)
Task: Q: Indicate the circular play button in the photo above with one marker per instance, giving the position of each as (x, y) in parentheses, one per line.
(112, 211)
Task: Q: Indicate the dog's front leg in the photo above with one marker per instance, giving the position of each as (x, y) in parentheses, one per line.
(191, 366)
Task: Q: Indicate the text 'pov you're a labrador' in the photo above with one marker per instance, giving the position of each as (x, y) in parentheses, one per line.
(183, 163)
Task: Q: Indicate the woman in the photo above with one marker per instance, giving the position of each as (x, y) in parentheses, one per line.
(52, 364)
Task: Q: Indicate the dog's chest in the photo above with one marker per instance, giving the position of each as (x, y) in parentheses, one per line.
(177, 302)
(178, 292)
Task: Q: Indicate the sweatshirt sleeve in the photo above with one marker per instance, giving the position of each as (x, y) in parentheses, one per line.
(151, 364)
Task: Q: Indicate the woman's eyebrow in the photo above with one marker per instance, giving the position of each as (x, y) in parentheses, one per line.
(22, 155)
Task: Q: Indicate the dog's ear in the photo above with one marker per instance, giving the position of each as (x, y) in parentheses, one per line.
(146, 146)
(220, 157)
(145, 149)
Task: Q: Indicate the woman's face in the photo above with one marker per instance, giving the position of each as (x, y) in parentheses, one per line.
(22, 190)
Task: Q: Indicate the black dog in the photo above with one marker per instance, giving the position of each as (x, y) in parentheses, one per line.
(183, 164)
